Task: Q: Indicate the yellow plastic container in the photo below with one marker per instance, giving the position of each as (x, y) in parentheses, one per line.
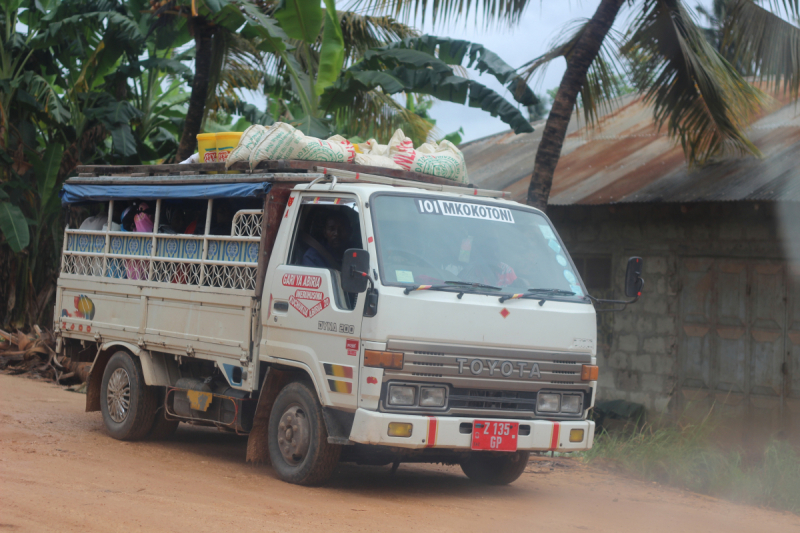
(207, 147)
(226, 142)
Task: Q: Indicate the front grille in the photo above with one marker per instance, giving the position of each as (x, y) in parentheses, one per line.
(492, 400)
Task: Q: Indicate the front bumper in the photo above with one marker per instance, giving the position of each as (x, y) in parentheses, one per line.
(443, 432)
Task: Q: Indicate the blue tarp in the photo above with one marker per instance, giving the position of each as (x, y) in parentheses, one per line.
(71, 194)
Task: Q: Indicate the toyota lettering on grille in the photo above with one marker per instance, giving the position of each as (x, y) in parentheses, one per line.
(505, 368)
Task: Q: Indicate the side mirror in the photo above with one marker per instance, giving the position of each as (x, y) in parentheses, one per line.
(633, 278)
(355, 270)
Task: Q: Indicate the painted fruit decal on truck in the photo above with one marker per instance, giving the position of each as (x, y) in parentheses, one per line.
(84, 308)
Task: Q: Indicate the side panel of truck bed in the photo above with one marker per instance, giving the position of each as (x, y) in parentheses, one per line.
(195, 322)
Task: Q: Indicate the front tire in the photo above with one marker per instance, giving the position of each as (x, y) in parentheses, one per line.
(495, 469)
(298, 439)
(127, 404)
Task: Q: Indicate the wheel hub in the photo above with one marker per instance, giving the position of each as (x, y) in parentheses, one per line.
(118, 395)
(294, 435)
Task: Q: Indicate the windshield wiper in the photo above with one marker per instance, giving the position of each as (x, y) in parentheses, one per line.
(451, 286)
(561, 292)
(472, 285)
(536, 294)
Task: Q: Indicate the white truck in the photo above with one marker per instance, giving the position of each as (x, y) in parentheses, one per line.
(365, 315)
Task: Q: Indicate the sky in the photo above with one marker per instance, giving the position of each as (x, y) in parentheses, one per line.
(540, 24)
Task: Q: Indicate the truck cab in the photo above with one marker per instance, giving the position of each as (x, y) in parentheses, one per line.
(340, 316)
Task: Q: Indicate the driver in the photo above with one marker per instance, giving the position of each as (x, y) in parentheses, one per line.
(328, 251)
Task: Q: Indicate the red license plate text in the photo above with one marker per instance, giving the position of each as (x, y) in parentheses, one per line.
(495, 435)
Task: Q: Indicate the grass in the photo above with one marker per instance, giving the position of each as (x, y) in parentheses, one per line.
(685, 456)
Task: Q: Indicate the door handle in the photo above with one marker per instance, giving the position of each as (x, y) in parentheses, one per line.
(280, 306)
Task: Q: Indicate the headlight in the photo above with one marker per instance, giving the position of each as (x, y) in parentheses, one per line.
(431, 397)
(548, 403)
(570, 403)
(399, 395)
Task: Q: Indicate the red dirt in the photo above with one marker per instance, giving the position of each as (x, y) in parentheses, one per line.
(59, 471)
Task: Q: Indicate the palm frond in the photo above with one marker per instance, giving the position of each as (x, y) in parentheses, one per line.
(700, 97)
(765, 45)
(233, 70)
(605, 80)
(506, 12)
(362, 32)
(375, 114)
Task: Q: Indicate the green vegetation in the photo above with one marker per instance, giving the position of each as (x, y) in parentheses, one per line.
(134, 81)
(685, 455)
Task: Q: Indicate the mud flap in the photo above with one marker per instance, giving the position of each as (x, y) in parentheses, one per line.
(257, 447)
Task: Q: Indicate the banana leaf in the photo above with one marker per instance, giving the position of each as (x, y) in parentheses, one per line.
(14, 227)
(331, 54)
(300, 19)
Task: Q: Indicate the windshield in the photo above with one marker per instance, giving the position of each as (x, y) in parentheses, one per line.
(430, 241)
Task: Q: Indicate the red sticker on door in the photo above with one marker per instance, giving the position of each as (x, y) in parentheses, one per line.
(352, 347)
(302, 280)
(309, 312)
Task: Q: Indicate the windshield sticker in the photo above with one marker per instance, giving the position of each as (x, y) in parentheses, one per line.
(576, 289)
(404, 276)
(547, 231)
(561, 260)
(464, 209)
(552, 243)
(570, 276)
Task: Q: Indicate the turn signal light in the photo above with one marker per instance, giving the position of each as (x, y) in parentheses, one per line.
(376, 359)
(399, 429)
(589, 373)
(576, 435)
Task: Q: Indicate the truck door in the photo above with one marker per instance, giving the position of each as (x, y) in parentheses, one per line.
(312, 320)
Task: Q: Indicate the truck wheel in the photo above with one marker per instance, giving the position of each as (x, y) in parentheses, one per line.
(162, 428)
(128, 405)
(298, 439)
(495, 469)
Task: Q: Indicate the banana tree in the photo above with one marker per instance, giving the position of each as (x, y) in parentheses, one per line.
(425, 65)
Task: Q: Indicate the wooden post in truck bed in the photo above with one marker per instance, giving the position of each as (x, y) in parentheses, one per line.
(274, 380)
(274, 206)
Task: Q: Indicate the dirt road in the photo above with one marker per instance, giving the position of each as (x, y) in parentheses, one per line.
(60, 472)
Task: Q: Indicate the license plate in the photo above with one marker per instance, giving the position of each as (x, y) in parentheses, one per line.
(495, 435)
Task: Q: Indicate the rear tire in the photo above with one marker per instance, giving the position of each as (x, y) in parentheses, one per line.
(298, 439)
(491, 469)
(127, 404)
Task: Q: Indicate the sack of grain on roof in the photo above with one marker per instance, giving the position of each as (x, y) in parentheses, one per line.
(286, 142)
(250, 139)
(376, 155)
(437, 159)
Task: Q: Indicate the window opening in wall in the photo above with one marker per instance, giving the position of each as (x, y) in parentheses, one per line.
(594, 270)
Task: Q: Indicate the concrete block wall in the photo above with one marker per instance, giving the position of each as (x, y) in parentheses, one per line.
(638, 347)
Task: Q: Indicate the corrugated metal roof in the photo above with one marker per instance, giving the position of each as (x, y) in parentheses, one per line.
(626, 159)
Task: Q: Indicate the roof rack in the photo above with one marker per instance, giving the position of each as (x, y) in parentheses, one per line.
(286, 171)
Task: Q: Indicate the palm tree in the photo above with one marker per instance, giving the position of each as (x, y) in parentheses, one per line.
(695, 92)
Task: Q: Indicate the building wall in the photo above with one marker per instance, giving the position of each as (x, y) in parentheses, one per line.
(639, 349)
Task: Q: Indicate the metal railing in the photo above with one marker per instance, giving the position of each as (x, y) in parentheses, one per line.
(221, 261)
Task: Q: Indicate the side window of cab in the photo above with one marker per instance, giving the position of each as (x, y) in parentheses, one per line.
(325, 228)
